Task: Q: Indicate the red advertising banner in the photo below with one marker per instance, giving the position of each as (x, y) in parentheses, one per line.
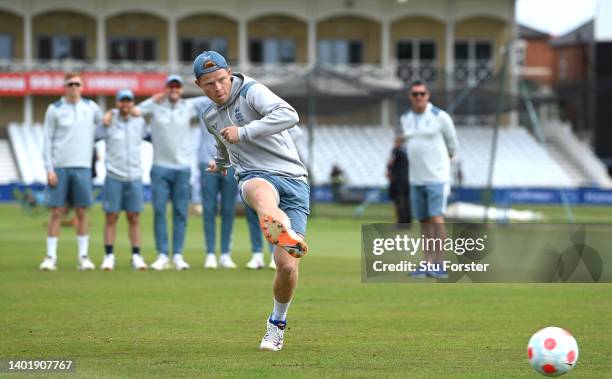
(12, 84)
(96, 83)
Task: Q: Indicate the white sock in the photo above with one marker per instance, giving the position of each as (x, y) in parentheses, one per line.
(280, 310)
(83, 242)
(258, 256)
(52, 247)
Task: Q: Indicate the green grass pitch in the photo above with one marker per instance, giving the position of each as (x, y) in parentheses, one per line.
(209, 323)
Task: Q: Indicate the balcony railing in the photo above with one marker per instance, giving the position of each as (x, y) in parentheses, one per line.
(411, 70)
(470, 72)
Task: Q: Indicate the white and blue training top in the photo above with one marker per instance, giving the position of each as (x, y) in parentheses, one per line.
(430, 140)
(68, 133)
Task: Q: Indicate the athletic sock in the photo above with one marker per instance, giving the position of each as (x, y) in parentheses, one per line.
(258, 256)
(280, 310)
(52, 247)
(135, 250)
(108, 249)
(83, 243)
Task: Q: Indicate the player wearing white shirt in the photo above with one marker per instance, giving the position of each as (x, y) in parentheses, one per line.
(69, 132)
(431, 142)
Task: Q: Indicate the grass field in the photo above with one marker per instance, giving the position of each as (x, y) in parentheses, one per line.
(208, 323)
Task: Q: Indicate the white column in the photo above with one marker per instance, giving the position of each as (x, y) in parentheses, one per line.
(28, 106)
(385, 42)
(172, 45)
(101, 42)
(243, 45)
(312, 43)
(385, 113)
(28, 110)
(449, 51)
(27, 40)
(513, 66)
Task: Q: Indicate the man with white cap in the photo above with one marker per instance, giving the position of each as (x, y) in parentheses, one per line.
(123, 183)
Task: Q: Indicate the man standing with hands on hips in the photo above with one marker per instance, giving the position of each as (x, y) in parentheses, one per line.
(251, 126)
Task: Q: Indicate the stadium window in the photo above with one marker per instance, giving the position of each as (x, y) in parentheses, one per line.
(473, 50)
(256, 51)
(483, 50)
(6, 46)
(427, 51)
(61, 47)
(340, 51)
(462, 51)
(272, 50)
(133, 49)
(355, 52)
(408, 50)
(191, 47)
(404, 50)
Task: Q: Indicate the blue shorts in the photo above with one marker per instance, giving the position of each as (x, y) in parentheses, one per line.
(73, 188)
(428, 200)
(121, 195)
(293, 195)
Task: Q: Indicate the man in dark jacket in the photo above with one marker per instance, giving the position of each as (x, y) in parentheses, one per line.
(399, 187)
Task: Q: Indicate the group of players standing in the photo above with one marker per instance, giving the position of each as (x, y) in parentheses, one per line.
(73, 123)
(246, 145)
(248, 126)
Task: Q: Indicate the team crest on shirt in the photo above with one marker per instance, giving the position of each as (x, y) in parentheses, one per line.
(239, 116)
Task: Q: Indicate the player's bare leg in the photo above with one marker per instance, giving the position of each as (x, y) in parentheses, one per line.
(134, 228)
(439, 231)
(82, 225)
(426, 230)
(55, 220)
(110, 228)
(262, 197)
(286, 278)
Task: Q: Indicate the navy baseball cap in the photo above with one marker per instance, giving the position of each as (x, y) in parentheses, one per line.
(174, 78)
(124, 94)
(207, 62)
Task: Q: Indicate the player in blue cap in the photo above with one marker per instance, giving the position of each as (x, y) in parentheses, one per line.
(250, 124)
(123, 135)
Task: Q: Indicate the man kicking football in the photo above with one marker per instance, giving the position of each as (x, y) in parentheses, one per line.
(251, 126)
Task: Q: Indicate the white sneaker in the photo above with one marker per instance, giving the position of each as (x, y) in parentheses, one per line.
(48, 264)
(211, 262)
(161, 263)
(226, 261)
(256, 262)
(108, 264)
(272, 264)
(138, 262)
(179, 262)
(275, 333)
(85, 264)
